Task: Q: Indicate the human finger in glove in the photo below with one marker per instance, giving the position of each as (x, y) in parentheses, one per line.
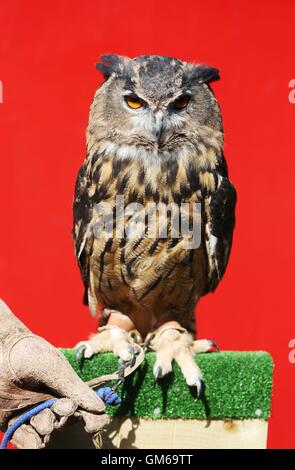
(33, 371)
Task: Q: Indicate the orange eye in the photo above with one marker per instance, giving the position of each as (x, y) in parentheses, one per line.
(181, 102)
(134, 101)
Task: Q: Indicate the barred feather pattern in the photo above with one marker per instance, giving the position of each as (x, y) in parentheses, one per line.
(153, 280)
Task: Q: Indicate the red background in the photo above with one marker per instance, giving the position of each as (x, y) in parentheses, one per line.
(47, 56)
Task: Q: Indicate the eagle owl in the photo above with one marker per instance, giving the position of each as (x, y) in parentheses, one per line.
(154, 136)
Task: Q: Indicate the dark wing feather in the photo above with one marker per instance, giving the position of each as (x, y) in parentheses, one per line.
(82, 212)
(220, 221)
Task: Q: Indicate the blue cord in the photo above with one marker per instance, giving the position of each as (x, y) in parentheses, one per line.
(22, 419)
(105, 393)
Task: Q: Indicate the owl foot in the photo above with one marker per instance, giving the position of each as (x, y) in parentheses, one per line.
(205, 346)
(175, 343)
(108, 339)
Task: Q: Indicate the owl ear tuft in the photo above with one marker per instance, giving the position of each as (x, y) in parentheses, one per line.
(206, 74)
(202, 74)
(110, 63)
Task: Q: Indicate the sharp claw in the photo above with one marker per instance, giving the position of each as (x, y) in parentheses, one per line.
(131, 362)
(213, 346)
(124, 364)
(158, 374)
(199, 384)
(80, 351)
(121, 372)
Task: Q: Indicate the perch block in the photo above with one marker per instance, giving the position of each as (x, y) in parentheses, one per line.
(232, 414)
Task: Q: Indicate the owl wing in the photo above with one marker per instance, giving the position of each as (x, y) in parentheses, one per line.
(219, 226)
(82, 212)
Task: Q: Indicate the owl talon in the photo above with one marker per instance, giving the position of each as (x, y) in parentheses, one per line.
(213, 346)
(82, 351)
(199, 384)
(132, 351)
(129, 361)
(109, 339)
(205, 346)
(176, 343)
(158, 374)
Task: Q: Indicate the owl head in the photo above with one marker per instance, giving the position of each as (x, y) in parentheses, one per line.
(156, 103)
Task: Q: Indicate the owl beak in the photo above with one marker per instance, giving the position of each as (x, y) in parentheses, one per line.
(158, 125)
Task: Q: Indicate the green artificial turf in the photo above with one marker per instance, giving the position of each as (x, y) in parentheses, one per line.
(237, 386)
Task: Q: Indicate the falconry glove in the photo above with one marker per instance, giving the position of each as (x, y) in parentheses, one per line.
(33, 371)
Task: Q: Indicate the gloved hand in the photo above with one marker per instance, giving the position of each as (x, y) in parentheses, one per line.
(32, 371)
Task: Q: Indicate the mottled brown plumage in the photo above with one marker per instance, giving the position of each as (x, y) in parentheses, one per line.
(159, 154)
